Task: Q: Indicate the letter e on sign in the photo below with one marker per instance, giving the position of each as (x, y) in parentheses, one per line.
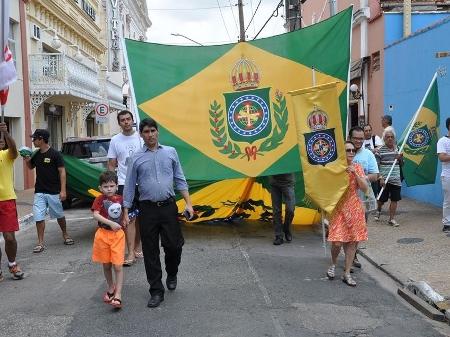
(101, 113)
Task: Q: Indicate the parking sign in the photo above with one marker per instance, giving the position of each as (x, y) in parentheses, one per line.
(101, 113)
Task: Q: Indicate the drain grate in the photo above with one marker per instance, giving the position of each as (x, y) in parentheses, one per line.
(409, 240)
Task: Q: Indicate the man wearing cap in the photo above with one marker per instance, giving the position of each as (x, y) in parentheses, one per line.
(50, 187)
(8, 211)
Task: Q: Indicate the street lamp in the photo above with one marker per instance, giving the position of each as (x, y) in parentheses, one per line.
(176, 34)
(354, 90)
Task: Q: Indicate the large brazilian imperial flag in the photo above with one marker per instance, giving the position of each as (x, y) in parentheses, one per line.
(419, 151)
(321, 144)
(225, 108)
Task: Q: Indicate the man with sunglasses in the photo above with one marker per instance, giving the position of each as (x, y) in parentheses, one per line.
(366, 159)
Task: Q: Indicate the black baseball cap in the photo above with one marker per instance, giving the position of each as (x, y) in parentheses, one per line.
(41, 133)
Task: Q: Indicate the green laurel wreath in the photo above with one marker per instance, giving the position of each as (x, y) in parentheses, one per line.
(227, 147)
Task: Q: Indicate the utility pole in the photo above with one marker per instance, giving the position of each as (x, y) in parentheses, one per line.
(293, 14)
(406, 18)
(333, 8)
(241, 21)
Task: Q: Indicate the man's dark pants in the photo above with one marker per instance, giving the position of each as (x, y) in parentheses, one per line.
(155, 222)
(278, 195)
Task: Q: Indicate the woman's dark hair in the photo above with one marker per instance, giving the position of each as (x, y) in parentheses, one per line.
(150, 122)
(447, 123)
(350, 142)
(108, 176)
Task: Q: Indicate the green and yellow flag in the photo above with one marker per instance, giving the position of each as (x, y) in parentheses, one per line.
(321, 144)
(419, 150)
(225, 109)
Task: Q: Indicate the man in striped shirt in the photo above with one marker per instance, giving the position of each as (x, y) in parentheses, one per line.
(386, 156)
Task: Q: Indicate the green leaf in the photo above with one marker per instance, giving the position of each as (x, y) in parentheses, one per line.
(276, 108)
(279, 120)
(214, 133)
(219, 123)
(233, 155)
(237, 148)
(222, 131)
(218, 143)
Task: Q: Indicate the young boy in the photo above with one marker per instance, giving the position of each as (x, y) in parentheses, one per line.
(109, 241)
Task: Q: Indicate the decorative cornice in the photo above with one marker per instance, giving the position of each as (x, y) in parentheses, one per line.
(60, 19)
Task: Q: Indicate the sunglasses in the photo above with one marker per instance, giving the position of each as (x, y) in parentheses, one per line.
(350, 150)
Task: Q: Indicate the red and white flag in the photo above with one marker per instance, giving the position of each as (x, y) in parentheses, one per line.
(7, 69)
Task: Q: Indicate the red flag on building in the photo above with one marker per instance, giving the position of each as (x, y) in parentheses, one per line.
(7, 69)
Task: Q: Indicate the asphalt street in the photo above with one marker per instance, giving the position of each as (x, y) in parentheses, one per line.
(232, 282)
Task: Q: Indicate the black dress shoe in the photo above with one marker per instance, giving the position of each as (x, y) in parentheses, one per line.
(278, 240)
(155, 300)
(171, 282)
(288, 236)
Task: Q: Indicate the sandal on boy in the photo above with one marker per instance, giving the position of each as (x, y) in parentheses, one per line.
(116, 303)
(128, 263)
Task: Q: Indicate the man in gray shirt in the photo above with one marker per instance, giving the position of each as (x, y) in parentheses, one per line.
(282, 189)
(156, 169)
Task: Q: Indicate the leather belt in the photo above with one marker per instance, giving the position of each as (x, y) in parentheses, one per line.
(161, 203)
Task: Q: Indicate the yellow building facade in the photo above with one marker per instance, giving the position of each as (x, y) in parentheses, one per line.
(68, 72)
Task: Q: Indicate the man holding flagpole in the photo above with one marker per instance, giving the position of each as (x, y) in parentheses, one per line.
(443, 151)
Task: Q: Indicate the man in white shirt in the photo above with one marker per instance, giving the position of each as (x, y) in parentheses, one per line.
(121, 149)
(371, 141)
(443, 151)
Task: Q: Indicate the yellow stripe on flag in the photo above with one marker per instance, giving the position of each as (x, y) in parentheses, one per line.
(321, 144)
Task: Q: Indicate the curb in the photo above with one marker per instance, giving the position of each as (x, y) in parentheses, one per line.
(421, 305)
(424, 307)
(376, 265)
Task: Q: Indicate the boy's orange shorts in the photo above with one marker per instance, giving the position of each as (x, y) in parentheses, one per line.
(109, 246)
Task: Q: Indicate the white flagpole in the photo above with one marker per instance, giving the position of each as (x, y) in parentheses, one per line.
(322, 213)
(130, 82)
(411, 125)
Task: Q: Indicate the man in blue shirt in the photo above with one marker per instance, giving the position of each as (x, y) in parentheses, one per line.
(156, 169)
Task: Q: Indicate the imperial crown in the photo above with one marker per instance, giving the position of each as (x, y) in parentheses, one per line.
(245, 75)
(317, 119)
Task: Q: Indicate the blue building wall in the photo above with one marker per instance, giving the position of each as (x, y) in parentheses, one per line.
(409, 67)
(394, 24)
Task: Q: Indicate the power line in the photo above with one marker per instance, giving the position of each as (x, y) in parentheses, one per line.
(259, 3)
(280, 4)
(186, 9)
(234, 18)
(223, 20)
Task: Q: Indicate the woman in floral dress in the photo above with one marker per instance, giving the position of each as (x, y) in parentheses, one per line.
(347, 223)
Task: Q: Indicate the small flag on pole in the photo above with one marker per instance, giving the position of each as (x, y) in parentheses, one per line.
(7, 69)
(420, 139)
(321, 144)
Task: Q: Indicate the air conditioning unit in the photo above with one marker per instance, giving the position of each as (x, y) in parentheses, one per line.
(35, 32)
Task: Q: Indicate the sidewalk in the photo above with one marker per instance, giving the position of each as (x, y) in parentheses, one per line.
(426, 260)
(416, 250)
